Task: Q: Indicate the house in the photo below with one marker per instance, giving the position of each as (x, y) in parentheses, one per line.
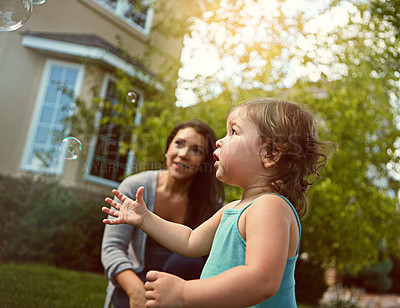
(49, 51)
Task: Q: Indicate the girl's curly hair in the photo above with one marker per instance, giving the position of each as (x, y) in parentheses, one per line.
(288, 132)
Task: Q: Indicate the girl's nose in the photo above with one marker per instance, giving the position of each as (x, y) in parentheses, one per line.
(220, 142)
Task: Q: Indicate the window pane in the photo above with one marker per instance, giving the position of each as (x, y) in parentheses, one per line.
(55, 74)
(132, 10)
(46, 114)
(42, 135)
(62, 113)
(70, 78)
(137, 12)
(43, 149)
(51, 94)
(65, 102)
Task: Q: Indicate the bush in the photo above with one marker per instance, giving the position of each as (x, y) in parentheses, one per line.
(310, 281)
(42, 221)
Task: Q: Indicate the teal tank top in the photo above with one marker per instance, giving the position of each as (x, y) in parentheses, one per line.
(229, 250)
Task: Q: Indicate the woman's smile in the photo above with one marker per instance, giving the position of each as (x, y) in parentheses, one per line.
(181, 166)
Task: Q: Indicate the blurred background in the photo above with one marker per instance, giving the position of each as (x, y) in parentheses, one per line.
(89, 90)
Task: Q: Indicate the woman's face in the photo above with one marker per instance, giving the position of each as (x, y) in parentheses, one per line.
(186, 153)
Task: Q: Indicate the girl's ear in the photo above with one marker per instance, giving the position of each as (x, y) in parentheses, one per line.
(269, 161)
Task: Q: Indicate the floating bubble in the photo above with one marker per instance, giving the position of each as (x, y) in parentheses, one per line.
(132, 97)
(39, 1)
(69, 148)
(14, 14)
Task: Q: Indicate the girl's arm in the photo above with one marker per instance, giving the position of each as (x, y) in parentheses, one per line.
(267, 233)
(175, 237)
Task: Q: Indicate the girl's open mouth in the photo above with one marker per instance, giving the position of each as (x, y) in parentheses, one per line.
(215, 157)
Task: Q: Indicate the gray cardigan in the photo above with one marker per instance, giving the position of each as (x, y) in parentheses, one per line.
(123, 246)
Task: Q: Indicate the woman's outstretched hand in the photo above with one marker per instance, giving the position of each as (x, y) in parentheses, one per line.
(129, 212)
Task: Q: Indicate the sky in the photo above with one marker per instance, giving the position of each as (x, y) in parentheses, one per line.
(201, 59)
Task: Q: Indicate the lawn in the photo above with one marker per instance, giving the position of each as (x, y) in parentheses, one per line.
(31, 285)
(40, 286)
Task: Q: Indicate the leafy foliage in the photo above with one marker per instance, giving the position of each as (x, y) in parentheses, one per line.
(388, 10)
(354, 200)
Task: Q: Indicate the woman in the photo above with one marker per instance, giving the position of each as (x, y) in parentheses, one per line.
(187, 192)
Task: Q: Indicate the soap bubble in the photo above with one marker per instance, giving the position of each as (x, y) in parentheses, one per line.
(69, 148)
(14, 14)
(39, 1)
(132, 97)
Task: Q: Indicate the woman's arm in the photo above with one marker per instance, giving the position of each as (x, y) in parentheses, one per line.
(175, 237)
(133, 287)
(267, 225)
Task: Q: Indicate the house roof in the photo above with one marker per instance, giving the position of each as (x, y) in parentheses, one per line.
(85, 45)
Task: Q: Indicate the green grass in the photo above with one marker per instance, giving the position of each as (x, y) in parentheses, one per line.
(41, 286)
(32, 285)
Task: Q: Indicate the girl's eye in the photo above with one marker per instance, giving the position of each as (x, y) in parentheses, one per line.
(233, 132)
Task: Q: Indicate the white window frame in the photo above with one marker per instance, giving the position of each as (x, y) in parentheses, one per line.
(57, 169)
(91, 152)
(121, 7)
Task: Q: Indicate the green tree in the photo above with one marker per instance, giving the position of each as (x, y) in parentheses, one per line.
(389, 11)
(353, 90)
(354, 207)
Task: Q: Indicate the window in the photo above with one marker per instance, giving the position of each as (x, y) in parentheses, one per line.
(106, 165)
(54, 103)
(137, 13)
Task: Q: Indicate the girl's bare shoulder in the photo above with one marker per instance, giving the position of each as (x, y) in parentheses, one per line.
(271, 203)
(230, 205)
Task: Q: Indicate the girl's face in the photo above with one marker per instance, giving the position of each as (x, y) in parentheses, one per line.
(186, 153)
(238, 155)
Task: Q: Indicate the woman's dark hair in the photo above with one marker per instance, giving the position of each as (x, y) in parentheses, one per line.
(206, 193)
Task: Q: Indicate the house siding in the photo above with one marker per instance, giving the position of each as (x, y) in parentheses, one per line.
(21, 69)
